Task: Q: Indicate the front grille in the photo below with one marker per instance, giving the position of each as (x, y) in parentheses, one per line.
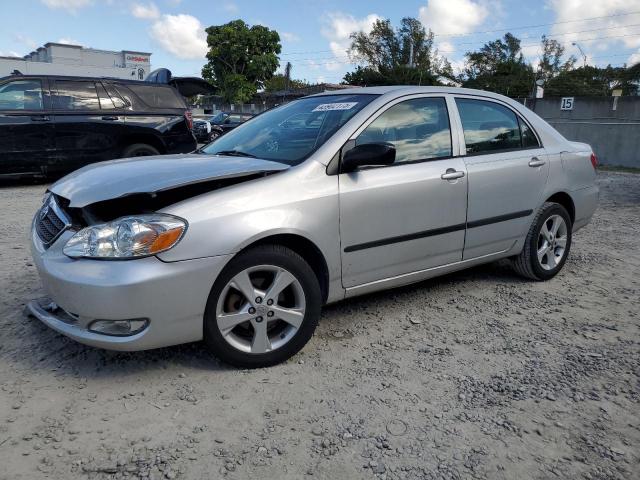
(49, 222)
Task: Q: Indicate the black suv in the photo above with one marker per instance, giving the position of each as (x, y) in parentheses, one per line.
(50, 125)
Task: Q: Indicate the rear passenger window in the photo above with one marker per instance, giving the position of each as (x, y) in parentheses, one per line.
(21, 95)
(488, 127)
(105, 101)
(115, 96)
(418, 129)
(73, 95)
(158, 96)
(529, 139)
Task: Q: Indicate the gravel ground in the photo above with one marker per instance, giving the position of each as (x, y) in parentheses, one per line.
(476, 375)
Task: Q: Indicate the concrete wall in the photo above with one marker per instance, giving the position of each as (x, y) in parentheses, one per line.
(611, 126)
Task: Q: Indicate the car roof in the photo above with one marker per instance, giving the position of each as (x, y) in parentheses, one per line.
(71, 77)
(401, 90)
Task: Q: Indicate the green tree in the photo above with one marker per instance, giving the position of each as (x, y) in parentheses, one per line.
(594, 81)
(283, 81)
(400, 75)
(403, 56)
(551, 64)
(240, 59)
(499, 66)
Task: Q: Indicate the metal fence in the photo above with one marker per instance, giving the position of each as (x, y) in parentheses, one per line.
(611, 125)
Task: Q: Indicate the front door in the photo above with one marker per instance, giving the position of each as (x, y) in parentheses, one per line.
(507, 170)
(26, 129)
(405, 217)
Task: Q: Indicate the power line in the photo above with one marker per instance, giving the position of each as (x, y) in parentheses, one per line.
(535, 26)
(497, 30)
(341, 60)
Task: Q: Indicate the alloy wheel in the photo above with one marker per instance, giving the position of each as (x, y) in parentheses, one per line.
(552, 242)
(260, 309)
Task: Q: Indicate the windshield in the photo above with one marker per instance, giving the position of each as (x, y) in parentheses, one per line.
(218, 118)
(290, 133)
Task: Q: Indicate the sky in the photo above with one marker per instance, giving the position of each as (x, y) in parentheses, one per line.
(315, 33)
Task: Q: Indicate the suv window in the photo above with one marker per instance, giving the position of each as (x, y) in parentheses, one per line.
(115, 96)
(76, 95)
(419, 129)
(234, 118)
(158, 96)
(488, 126)
(105, 101)
(21, 95)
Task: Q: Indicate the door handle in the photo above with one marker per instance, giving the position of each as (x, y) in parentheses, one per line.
(110, 117)
(452, 174)
(40, 118)
(536, 162)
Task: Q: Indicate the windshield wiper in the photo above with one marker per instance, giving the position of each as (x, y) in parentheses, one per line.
(235, 153)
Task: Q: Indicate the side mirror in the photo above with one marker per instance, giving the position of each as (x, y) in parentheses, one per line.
(368, 154)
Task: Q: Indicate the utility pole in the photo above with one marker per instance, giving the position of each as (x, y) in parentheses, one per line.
(584, 56)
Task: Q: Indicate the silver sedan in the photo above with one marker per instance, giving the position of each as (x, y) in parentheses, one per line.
(327, 197)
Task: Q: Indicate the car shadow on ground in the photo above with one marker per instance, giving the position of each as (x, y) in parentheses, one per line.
(46, 349)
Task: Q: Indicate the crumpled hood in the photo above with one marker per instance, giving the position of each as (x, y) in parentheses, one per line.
(118, 178)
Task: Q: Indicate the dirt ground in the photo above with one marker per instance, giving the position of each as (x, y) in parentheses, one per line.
(477, 375)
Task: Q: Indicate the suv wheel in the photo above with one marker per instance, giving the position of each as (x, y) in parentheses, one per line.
(263, 308)
(547, 244)
(139, 150)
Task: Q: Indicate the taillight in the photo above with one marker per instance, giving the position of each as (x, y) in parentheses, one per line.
(189, 118)
(594, 160)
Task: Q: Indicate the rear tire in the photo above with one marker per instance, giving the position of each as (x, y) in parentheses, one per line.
(263, 308)
(139, 150)
(547, 245)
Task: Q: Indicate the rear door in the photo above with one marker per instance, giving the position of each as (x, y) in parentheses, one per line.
(507, 170)
(87, 123)
(26, 130)
(405, 217)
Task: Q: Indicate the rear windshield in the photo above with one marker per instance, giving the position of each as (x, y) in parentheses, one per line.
(290, 133)
(158, 96)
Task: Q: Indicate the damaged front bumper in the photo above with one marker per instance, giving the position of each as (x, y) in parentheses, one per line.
(167, 299)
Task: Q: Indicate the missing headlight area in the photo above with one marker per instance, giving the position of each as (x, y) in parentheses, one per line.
(144, 203)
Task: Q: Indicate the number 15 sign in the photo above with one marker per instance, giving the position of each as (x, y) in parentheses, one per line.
(566, 103)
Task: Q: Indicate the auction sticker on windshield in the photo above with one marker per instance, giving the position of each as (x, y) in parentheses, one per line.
(325, 107)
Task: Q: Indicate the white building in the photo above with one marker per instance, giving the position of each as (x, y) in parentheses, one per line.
(74, 60)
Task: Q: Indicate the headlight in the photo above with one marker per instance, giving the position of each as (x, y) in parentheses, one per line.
(127, 237)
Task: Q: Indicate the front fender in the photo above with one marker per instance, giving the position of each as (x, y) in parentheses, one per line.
(301, 201)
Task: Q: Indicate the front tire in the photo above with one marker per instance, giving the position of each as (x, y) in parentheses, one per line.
(263, 308)
(547, 244)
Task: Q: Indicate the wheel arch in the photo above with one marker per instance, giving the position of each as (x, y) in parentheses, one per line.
(303, 247)
(564, 199)
(146, 138)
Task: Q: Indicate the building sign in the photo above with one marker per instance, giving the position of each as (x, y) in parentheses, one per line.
(566, 103)
(136, 58)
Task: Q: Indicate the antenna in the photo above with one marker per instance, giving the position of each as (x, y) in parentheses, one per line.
(584, 56)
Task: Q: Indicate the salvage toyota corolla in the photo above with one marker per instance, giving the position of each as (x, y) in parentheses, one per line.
(327, 197)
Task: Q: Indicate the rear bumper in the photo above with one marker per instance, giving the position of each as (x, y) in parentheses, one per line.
(171, 295)
(586, 203)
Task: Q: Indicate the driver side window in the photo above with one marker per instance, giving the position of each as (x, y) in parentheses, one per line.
(418, 129)
(21, 95)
